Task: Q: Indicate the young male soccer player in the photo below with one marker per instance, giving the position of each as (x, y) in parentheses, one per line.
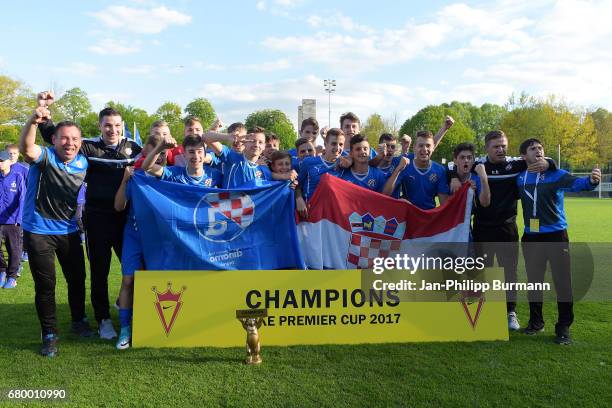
(132, 257)
(308, 130)
(240, 169)
(312, 168)
(54, 180)
(545, 223)
(463, 159)
(387, 148)
(272, 145)
(195, 173)
(193, 126)
(12, 195)
(304, 148)
(422, 179)
(361, 173)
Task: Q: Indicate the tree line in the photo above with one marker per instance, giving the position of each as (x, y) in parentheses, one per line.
(583, 135)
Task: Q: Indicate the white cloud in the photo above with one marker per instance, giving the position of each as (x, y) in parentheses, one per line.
(111, 46)
(261, 5)
(79, 69)
(138, 70)
(141, 21)
(269, 66)
(99, 99)
(338, 21)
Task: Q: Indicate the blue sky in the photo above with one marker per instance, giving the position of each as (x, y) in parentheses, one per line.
(387, 57)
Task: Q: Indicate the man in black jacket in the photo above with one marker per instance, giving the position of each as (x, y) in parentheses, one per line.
(107, 155)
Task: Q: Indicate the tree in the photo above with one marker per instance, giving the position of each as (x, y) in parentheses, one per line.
(17, 101)
(274, 121)
(171, 113)
(555, 124)
(602, 120)
(373, 127)
(73, 104)
(201, 108)
(431, 118)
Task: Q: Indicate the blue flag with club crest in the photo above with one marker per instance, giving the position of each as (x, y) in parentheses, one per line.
(184, 227)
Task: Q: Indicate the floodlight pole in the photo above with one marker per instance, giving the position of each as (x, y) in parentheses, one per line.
(330, 87)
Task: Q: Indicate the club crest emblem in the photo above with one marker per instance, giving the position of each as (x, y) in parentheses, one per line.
(373, 237)
(433, 177)
(222, 217)
(472, 303)
(168, 305)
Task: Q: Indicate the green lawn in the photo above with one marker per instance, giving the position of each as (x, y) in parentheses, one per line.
(526, 371)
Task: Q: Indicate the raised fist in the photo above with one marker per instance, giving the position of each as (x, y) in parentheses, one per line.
(40, 115)
(448, 122)
(596, 175)
(480, 170)
(168, 142)
(217, 125)
(404, 161)
(45, 98)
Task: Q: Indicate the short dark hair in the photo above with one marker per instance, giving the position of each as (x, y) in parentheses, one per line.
(358, 138)
(271, 136)
(108, 111)
(66, 123)
(278, 155)
(310, 122)
(463, 146)
(235, 126)
(350, 116)
(527, 144)
(334, 132)
(494, 134)
(426, 134)
(190, 120)
(301, 141)
(386, 137)
(193, 140)
(257, 129)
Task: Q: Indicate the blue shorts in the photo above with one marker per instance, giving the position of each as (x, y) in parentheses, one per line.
(132, 256)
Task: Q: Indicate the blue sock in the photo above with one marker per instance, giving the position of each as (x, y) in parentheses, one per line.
(125, 317)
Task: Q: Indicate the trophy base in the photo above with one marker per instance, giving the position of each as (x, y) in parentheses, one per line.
(253, 360)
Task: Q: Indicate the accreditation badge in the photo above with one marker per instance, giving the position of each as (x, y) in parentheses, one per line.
(534, 225)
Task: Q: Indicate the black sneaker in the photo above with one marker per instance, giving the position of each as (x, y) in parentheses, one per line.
(49, 346)
(532, 330)
(81, 328)
(563, 339)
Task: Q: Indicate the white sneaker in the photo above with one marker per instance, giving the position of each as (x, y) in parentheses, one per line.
(106, 329)
(513, 323)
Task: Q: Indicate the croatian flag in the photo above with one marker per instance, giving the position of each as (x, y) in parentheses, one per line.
(348, 226)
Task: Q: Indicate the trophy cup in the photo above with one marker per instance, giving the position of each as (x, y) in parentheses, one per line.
(251, 320)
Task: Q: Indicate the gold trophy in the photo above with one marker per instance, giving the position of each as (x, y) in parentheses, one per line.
(251, 320)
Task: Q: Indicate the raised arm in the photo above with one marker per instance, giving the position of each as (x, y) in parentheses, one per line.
(27, 141)
(148, 165)
(448, 123)
(390, 184)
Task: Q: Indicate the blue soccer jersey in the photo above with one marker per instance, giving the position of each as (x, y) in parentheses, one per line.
(177, 174)
(238, 170)
(311, 170)
(421, 186)
(51, 196)
(392, 165)
(374, 179)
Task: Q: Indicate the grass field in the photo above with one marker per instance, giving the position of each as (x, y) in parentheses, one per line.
(526, 371)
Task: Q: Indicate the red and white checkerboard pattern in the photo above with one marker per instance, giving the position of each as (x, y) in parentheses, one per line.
(364, 249)
(236, 206)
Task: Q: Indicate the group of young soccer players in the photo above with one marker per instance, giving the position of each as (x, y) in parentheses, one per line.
(250, 156)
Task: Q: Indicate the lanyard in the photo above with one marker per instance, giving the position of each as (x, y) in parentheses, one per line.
(534, 197)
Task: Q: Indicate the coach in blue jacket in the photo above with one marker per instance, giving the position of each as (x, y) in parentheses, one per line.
(542, 199)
